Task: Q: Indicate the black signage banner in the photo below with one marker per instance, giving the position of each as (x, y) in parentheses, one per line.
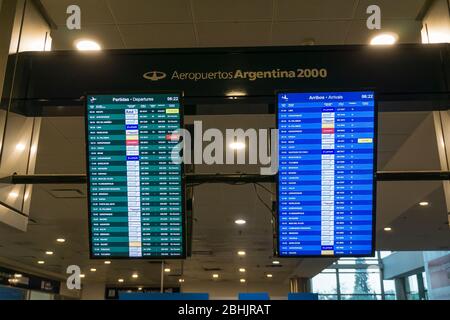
(401, 69)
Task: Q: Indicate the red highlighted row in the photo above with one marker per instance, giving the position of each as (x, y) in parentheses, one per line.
(132, 142)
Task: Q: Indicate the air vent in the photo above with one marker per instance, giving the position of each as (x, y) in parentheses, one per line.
(273, 266)
(202, 252)
(211, 269)
(67, 193)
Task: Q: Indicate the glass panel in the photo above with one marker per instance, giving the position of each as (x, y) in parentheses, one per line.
(360, 281)
(384, 254)
(361, 297)
(413, 288)
(353, 261)
(328, 297)
(389, 289)
(424, 277)
(324, 283)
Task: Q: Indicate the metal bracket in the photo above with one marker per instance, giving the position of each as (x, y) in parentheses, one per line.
(223, 178)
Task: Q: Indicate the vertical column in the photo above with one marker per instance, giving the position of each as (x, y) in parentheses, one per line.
(20, 25)
(7, 17)
(133, 181)
(421, 287)
(297, 284)
(327, 172)
(436, 23)
(442, 129)
(400, 289)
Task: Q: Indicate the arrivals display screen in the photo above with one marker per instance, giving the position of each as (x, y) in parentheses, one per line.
(136, 192)
(327, 166)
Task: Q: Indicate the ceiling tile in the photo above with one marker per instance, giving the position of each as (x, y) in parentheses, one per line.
(69, 127)
(390, 9)
(106, 35)
(92, 11)
(232, 10)
(164, 35)
(323, 33)
(233, 34)
(408, 31)
(314, 10)
(151, 11)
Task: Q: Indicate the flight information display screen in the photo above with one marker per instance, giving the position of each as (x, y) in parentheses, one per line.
(136, 192)
(327, 166)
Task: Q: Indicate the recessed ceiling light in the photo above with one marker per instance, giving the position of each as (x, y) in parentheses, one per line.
(241, 269)
(49, 253)
(93, 269)
(424, 203)
(87, 45)
(181, 280)
(269, 275)
(275, 262)
(236, 93)
(61, 240)
(237, 145)
(107, 262)
(13, 194)
(135, 276)
(215, 276)
(241, 253)
(240, 221)
(388, 229)
(41, 262)
(82, 276)
(17, 275)
(167, 270)
(242, 280)
(20, 147)
(120, 280)
(388, 38)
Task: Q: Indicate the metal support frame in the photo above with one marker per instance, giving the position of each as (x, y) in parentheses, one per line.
(196, 179)
(222, 178)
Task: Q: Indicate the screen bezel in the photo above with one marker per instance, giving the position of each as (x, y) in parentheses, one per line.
(180, 95)
(374, 182)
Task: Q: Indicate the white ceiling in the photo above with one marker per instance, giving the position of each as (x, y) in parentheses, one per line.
(215, 23)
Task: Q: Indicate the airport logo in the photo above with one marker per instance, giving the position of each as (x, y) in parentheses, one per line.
(154, 75)
(300, 73)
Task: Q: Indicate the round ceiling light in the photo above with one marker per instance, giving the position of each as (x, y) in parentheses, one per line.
(87, 45)
(384, 39)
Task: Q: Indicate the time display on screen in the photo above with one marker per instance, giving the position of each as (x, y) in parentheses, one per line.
(326, 192)
(136, 191)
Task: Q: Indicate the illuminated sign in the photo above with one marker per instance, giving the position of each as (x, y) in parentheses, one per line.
(327, 157)
(136, 192)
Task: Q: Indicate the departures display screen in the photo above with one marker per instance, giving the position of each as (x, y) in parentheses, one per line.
(327, 166)
(136, 191)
